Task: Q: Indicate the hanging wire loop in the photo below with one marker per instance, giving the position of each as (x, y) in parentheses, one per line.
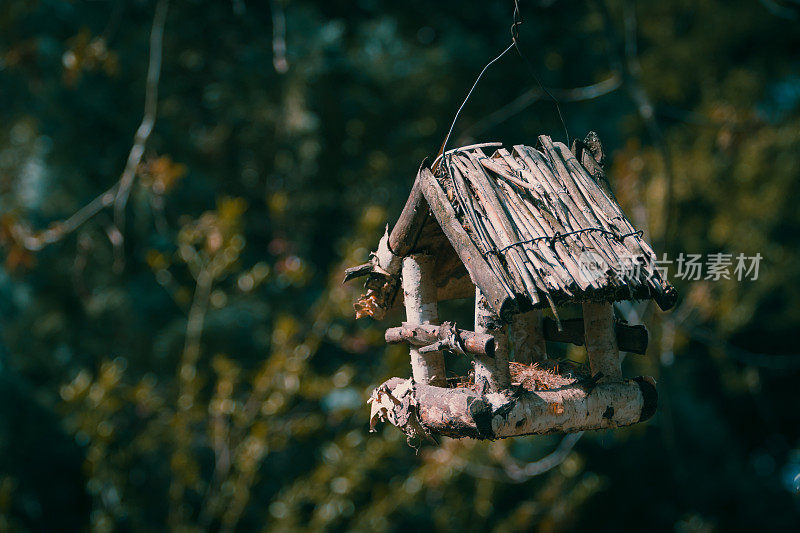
(518, 20)
(469, 94)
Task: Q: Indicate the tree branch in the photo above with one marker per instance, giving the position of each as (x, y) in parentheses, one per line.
(117, 194)
(631, 80)
(533, 95)
(279, 61)
(149, 118)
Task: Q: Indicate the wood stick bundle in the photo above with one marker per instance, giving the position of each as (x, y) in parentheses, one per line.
(533, 227)
(550, 231)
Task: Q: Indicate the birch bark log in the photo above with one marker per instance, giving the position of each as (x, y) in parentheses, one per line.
(491, 373)
(601, 340)
(419, 291)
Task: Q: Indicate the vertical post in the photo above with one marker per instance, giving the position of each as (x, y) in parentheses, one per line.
(491, 373)
(419, 291)
(527, 337)
(601, 340)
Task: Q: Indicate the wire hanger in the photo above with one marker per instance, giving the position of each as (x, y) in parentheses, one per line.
(518, 20)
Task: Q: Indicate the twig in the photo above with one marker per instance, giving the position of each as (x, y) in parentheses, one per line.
(631, 81)
(149, 118)
(187, 384)
(59, 230)
(118, 193)
(778, 10)
(519, 472)
(533, 95)
(279, 60)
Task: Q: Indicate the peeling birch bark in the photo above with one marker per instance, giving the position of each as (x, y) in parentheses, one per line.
(526, 335)
(601, 340)
(383, 282)
(419, 294)
(385, 258)
(462, 412)
(491, 373)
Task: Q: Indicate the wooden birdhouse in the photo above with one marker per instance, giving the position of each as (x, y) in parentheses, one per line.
(523, 230)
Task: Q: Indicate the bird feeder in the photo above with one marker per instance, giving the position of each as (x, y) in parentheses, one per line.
(522, 230)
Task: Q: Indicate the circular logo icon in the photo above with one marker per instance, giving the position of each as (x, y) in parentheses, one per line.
(591, 266)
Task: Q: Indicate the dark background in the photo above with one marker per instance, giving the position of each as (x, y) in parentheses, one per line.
(199, 366)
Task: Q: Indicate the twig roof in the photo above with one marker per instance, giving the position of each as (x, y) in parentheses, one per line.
(550, 230)
(531, 228)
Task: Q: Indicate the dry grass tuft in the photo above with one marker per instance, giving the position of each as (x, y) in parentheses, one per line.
(546, 375)
(543, 375)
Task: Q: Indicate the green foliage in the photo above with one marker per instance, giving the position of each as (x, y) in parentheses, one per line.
(203, 370)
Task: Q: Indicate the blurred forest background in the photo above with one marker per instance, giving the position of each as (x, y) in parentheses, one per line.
(177, 349)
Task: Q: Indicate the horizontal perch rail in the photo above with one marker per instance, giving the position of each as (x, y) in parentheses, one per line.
(419, 409)
(444, 337)
(632, 339)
